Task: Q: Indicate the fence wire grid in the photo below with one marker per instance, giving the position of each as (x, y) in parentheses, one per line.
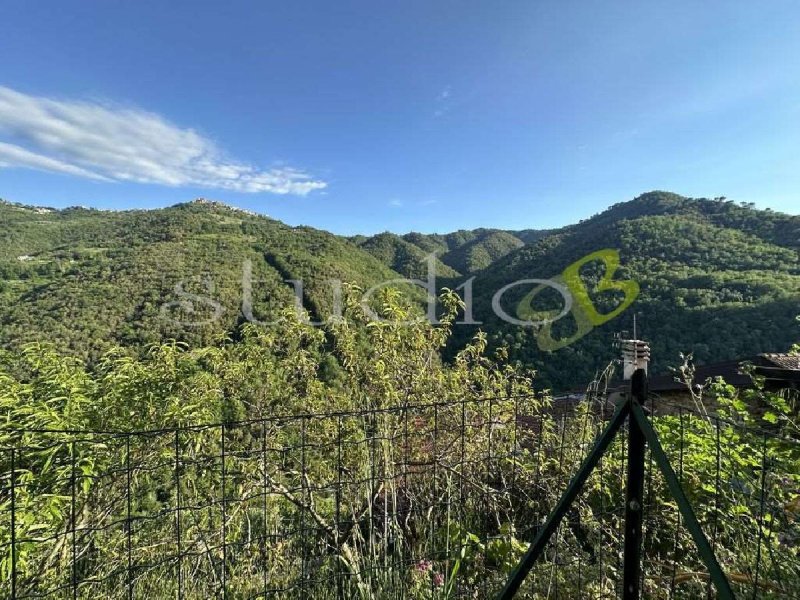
(410, 501)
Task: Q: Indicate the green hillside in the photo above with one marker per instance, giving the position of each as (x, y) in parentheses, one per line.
(461, 252)
(403, 256)
(716, 279)
(87, 279)
(481, 252)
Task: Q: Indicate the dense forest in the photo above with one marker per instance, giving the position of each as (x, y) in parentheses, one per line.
(86, 280)
(715, 278)
(156, 443)
(459, 253)
(244, 469)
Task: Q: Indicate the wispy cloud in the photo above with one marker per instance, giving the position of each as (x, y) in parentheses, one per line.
(395, 203)
(109, 143)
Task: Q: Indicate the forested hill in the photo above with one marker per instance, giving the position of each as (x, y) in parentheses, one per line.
(462, 252)
(716, 278)
(87, 279)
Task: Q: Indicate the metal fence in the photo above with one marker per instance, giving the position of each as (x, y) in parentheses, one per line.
(407, 501)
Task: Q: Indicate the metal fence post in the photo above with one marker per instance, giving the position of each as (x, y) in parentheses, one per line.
(128, 524)
(634, 492)
(716, 573)
(13, 523)
(73, 518)
(224, 572)
(544, 533)
(178, 532)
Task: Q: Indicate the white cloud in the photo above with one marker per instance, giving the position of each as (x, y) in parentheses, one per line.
(14, 156)
(109, 143)
(395, 203)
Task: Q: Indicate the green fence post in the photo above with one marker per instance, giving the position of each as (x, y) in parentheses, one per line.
(724, 590)
(538, 544)
(634, 500)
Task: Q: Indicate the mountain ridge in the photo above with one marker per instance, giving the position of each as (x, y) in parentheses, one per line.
(704, 267)
(715, 277)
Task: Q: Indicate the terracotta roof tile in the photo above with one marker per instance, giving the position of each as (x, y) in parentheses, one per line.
(784, 361)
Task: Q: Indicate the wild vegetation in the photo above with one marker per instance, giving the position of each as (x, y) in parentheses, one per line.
(459, 253)
(88, 280)
(715, 278)
(719, 279)
(154, 441)
(350, 461)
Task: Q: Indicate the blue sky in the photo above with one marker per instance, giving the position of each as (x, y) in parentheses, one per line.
(360, 117)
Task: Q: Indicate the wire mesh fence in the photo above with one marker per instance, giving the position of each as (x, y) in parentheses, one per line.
(406, 501)
(744, 485)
